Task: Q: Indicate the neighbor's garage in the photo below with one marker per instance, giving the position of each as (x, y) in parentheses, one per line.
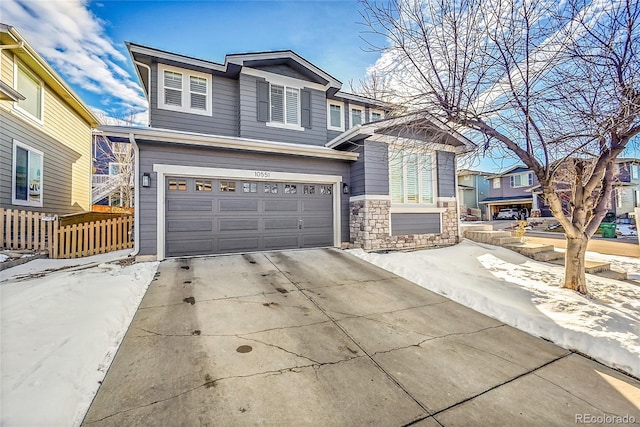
(213, 216)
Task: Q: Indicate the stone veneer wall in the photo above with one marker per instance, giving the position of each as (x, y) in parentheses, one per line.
(369, 227)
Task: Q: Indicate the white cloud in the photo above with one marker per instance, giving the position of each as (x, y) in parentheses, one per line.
(74, 42)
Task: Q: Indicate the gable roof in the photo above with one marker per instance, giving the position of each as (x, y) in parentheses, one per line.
(232, 65)
(384, 129)
(11, 39)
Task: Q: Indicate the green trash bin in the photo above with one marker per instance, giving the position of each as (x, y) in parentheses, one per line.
(608, 229)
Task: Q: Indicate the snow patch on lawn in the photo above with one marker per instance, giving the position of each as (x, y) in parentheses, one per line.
(528, 295)
(60, 333)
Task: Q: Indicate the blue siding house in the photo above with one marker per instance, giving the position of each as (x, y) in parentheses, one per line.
(265, 151)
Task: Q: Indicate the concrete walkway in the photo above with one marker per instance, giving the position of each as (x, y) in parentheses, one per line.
(319, 337)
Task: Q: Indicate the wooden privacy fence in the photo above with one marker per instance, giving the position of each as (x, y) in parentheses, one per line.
(33, 230)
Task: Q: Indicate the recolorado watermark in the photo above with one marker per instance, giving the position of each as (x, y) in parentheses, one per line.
(604, 419)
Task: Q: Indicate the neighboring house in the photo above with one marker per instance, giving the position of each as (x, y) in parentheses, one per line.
(266, 152)
(473, 188)
(112, 173)
(626, 194)
(514, 188)
(45, 136)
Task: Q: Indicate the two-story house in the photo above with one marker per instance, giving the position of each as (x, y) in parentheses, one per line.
(264, 151)
(626, 194)
(473, 188)
(45, 136)
(514, 188)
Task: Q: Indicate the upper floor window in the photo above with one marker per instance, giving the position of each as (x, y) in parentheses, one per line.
(335, 117)
(496, 182)
(635, 171)
(356, 116)
(285, 105)
(376, 115)
(32, 89)
(184, 90)
(411, 177)
(27, 175)
(521, 180)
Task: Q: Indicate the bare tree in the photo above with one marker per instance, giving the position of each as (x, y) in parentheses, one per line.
(552, 84)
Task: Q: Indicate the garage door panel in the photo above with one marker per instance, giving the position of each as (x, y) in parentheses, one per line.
(315, 240)
(189, 225)
(267, 216)
(242, 205)
(188, 205)
(191, 247)
(234, 224)
(237, 244)
(281, 206)
(317, 222)
(280, 242)
(281, 224)
(316, 205)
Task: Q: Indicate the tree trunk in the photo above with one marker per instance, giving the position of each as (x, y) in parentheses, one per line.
(574, 274)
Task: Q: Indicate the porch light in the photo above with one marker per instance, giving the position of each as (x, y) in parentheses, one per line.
(146, 179)
(345, 188)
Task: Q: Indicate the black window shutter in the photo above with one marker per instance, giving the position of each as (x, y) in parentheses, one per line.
(305, 106)
(263, 100)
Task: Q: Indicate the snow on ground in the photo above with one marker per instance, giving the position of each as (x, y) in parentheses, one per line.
(527, 295)
(626, 230)
(59, 332)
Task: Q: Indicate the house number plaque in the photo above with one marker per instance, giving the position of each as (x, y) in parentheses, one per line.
(262, 174)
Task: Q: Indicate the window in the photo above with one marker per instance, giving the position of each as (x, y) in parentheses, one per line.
(249, 187)
(496, 182)
(177, 184)
(326, 189)
(115, 168)
(203, 185)
(32, 88)
(285, 105)
(334, 116)
(309, 189)
(290, 189)
(376, 115)
(184, 90)
(411, 177)
(356, 116)
(227, 186)
(635, 171)
(618, 198)
(521, 180)
(27, 175)
(271, 188)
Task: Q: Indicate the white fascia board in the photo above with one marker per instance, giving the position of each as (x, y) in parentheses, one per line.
(363, 99)
(409, 142)
(279, 79)
(143, 50)
(239, 59)
(229, 142)
(366, 130)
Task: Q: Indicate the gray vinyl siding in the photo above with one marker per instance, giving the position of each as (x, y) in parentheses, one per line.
(250, 127)
(415, 223)
(152, 153)
(446, 174)
(370, 173)
(224, 120)
(358, 179)
(57, 166)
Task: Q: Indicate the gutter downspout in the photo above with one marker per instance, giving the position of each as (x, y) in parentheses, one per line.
(136, 196)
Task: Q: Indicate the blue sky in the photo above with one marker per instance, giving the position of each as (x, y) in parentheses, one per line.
(84, 40)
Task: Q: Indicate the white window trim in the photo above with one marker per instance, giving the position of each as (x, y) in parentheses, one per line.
(164, 170)
(331, 102)
(15, 201)
(186, 90)
(16, 64)
(528, 176)
(434, 183)
(495, 183)
(362, 117)
(285, 86)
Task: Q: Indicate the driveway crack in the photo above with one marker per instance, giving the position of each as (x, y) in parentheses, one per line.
(280, 348)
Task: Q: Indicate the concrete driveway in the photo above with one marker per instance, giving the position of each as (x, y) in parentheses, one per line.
(319, 337)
